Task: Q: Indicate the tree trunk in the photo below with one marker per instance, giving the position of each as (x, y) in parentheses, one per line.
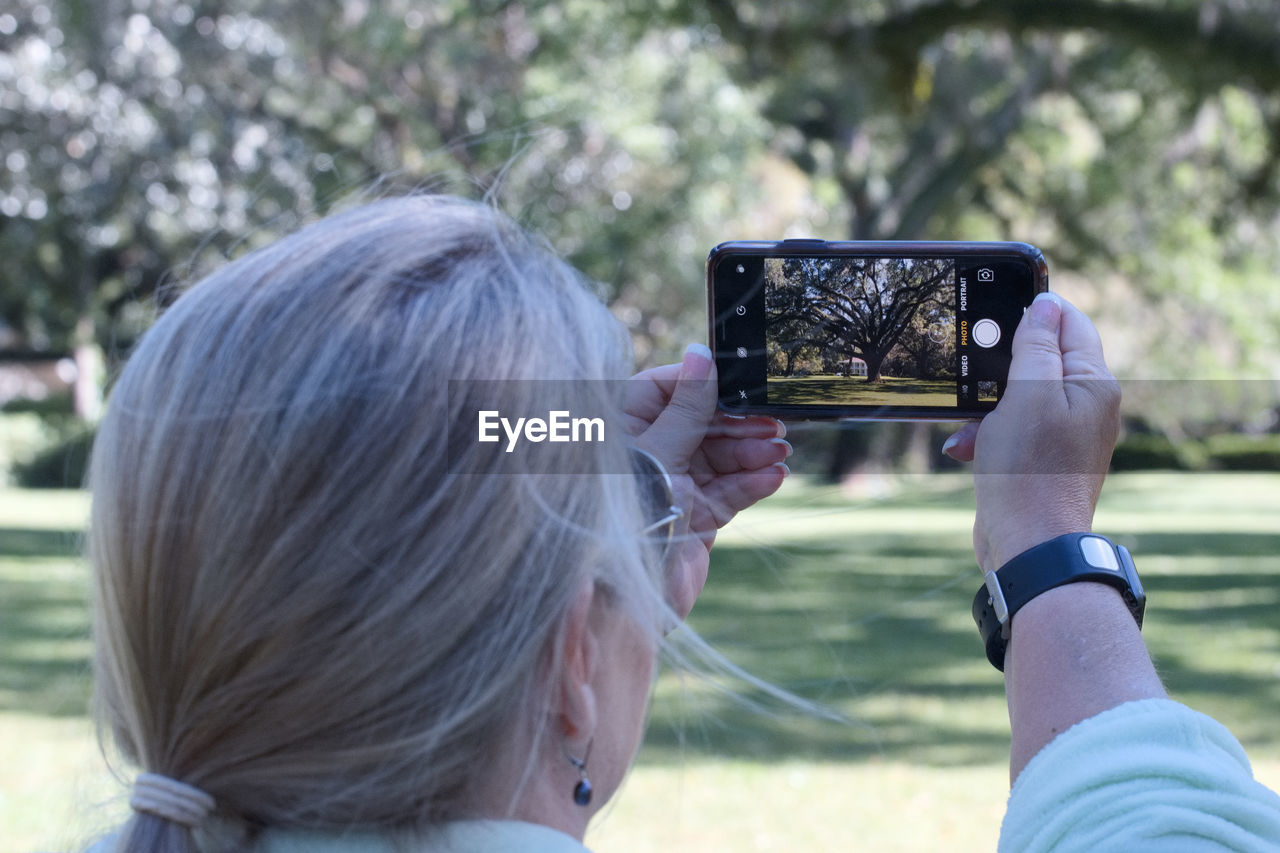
(86, 392)
(917, 457)
(850, 449)
(874, 360)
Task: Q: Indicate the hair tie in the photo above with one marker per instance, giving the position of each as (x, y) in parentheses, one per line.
(170, 799)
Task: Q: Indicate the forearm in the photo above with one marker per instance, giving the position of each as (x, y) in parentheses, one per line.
(1074, 652)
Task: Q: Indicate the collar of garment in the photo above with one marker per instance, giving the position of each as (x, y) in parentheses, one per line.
(469, 836)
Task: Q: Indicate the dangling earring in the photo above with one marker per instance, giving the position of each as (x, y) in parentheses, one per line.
(582, 790)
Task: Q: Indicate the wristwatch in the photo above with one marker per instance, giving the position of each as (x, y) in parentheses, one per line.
(1066, 559)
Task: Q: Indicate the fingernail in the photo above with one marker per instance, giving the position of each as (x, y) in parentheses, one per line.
(786, 472)
(782, 429)
(697, 362)
(1046, 310)
(784, 443)
(950, 443)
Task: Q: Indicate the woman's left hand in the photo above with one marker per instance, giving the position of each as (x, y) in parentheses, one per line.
(718, 464)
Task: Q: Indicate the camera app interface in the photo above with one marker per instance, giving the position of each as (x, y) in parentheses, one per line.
(928, 333)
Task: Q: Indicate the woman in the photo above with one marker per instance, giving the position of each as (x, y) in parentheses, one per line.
(322, 604)
(329, 617)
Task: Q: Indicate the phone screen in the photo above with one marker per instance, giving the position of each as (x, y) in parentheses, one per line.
(816, 329)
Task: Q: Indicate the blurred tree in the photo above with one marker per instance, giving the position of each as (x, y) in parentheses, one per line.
(1137, 141)
(1110, 132)
(145, 139)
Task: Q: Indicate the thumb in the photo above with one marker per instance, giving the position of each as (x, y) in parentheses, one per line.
(682, 425)
(1037, 352)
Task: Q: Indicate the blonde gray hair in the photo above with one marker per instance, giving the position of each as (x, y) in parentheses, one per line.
(299, 607)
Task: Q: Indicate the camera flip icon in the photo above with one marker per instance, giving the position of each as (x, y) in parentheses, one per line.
(986, 274)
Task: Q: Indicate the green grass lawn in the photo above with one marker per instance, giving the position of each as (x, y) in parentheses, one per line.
(856, 391)
(861, 605)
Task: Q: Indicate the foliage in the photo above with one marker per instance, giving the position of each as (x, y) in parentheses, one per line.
(54, 407)
(145, 141)
(1222, 452)
(61, 465)
(1244, 452)
(1149, 452)
(1136, 141)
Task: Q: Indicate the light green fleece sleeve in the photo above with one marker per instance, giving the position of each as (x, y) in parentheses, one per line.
(1144, 776)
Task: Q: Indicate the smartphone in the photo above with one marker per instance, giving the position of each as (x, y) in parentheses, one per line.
(810, 329)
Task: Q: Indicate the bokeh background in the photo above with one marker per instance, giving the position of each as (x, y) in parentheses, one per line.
(1137, 142)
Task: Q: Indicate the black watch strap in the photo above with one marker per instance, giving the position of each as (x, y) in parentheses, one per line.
(1066, 559)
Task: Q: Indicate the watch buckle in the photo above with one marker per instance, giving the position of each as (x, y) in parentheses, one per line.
(996, 596)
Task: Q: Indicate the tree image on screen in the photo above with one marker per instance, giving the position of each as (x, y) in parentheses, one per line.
(843, 328)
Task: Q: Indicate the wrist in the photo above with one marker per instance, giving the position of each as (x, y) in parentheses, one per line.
(1082, 628)
(1018, 513)
(1069, 559)
(1068, 619)
(1024, 539)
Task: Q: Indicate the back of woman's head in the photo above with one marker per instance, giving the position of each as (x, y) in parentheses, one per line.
(302, 608)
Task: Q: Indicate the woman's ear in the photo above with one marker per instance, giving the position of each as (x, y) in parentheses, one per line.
(579, 653)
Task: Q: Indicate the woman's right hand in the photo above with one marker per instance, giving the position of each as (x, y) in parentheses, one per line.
(1040, 458)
